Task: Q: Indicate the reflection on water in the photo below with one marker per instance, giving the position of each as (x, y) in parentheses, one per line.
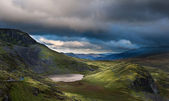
(66, 77)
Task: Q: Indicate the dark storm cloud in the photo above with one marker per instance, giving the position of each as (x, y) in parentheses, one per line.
(137, 10)
(104, 23)
(81, 15)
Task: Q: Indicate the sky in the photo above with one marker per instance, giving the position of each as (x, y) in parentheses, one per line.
(90, 26)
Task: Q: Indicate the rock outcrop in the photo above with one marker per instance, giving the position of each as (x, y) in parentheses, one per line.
(146, 84)
(14, 36)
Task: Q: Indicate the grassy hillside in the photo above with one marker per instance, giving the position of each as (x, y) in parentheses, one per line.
(120, 81)
(18, 50)
(23, 65)
(28, 86)
(159, 61)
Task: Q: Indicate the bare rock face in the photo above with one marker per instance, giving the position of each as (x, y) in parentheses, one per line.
(144, 81)
(6, 98)
(146, 84)
(16, 37)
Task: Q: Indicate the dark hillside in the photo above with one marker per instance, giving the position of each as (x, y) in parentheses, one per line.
(17, 37)
(18, 50)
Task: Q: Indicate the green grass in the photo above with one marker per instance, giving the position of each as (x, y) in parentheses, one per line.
(115, 75)
(24, 90)
(162, 80)
(62, 63)
(86, 91)
(111, 82)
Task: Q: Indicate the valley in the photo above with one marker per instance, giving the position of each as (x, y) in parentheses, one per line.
(30, 71)
(84, 50)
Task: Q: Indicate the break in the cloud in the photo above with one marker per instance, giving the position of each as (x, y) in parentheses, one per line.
(123, 44)
(71, 46)
(139, 22)
(84, 46)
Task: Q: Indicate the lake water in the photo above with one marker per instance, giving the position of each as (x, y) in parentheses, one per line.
(67, 77)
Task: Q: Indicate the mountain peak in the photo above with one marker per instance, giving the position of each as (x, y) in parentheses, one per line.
(16, 37)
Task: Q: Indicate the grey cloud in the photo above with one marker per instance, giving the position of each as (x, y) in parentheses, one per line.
(137, 10)
(141, 22)
(72, 14)
(82, 15)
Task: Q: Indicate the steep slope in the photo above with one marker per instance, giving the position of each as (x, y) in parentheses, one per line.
(24, 64)
(28, 86)
(18, 50)
(16, 37)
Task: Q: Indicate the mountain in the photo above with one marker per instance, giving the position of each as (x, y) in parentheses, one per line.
(159, 61)
(141, 52)
(86, 56)
(135, 75)
(120, 81)
(25, 65)
(16, 37)
(18, 50)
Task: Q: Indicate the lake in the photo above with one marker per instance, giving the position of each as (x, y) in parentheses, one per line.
(66, 77)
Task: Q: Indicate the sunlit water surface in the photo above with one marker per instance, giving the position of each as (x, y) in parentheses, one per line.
(67, 77)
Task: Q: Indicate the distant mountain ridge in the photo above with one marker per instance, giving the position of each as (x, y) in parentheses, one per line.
(141, 52)
(86, 56)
